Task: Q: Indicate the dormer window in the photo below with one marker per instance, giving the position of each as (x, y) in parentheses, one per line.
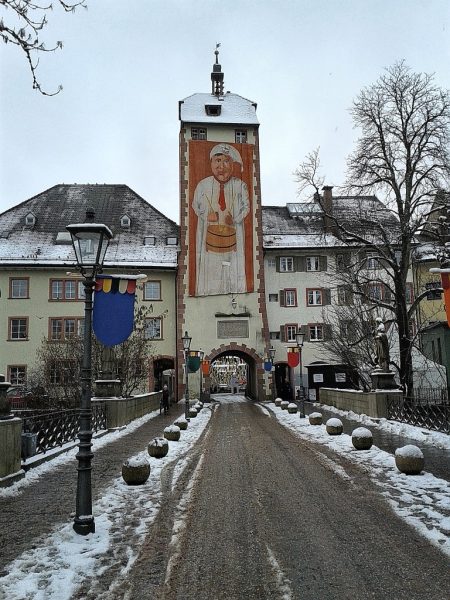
(125, 221)
(149, 240)
(172, 241)
(213, 110)
(30, 220)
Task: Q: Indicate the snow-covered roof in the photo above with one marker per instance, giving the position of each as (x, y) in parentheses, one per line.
(233, 109)
(42, 244)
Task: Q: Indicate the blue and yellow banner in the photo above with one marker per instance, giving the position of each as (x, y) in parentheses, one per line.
(113, 318)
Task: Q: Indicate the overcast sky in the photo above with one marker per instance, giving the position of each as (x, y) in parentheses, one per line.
(125, 65)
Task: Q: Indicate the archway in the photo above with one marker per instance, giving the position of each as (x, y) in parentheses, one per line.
(161, 364)
(242, 363)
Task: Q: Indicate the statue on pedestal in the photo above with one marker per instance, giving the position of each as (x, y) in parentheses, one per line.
(381, 347)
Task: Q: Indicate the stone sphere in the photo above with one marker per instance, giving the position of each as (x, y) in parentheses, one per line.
(334, 426)
(136, 471)
(409, 460)
(172, 433)
(284, 404)
(158, 448)
(278, 401)
(193, 412)
(181, 423)
(292, 408)
(362, 438)
(315, 418)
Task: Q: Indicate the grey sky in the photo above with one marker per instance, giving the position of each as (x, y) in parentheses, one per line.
(125, 65)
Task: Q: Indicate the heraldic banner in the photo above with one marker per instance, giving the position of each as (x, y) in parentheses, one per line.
(445, 279)
(113, 318)
(293, 357)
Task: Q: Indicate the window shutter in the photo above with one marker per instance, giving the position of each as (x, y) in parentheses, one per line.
(277, 263)
(387, 293)
(300, 263)
(283, 333)
(305, 329)
(322, 263)
(282, 298)
(327, 332)
(326, 296)
(349, 294)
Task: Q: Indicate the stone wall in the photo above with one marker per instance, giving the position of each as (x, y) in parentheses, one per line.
(121, 411)
(372, 404)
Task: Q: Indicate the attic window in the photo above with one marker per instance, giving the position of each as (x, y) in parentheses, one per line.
(125, 221)
(149, 240)
(63, 237)
(30, 219)
(172, 241)
(213, 110)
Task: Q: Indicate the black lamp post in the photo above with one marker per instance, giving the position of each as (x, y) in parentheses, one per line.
(90, 241)
(186, 345)
(201, 354)
(300, 339)
(271, 358)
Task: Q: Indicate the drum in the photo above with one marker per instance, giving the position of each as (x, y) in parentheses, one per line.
(220, 238)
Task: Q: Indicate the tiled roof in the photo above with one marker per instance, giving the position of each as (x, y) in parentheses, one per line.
(234, 109)
(64, 204)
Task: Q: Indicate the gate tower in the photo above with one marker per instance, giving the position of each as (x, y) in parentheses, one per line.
(221, 299)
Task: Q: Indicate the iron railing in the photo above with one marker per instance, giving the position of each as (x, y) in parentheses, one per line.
(55, 428)
(430, 410)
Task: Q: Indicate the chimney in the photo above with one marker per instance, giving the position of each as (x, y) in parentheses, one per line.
(327, 205)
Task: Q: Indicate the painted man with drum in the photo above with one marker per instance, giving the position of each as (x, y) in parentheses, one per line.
(221, 203)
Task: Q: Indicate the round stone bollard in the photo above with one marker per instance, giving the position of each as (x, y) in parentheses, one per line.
(158, 448)
(278, 401)
(362, 438)
(192, 412)
(315, 418)
(181, 423)
(136, 470)
(198, 407)
(284, 404)
(292, 408)
(172, 433)
(334, 426)
(409, 460)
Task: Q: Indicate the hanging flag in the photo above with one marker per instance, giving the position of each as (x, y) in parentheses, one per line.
(293, 357)
(267, 365)
(205, 367)
(193, 361)
(445, 280)
(113, 317)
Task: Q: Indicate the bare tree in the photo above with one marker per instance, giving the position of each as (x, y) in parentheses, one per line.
(22, 25)
(402, 155)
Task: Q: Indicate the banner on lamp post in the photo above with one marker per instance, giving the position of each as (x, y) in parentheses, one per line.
(293, 357)
(267, 365)
(205, 367)
(193, 361)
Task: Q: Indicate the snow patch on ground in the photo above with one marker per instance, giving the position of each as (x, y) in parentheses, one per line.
(283, 583)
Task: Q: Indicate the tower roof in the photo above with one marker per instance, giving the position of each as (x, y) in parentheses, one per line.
(233, 109)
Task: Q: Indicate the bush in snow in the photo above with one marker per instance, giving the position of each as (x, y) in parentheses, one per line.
(158, 448)
(172, 433)
(362, 438)
(136, 470)
(334, 426)
(315, 418)
(192, 412)
(278, 401)
(284, 404)
(181, 423)
(292, 408)
(409, 460)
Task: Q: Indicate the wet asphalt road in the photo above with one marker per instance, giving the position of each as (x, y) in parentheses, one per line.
(269, 517)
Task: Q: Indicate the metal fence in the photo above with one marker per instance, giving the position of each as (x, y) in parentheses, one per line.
(52, 429)
(428, 408)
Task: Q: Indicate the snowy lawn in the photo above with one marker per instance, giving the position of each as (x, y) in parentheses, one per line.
(54, 569)
(422, 500)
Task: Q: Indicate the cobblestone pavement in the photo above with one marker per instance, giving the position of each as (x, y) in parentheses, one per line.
(265, 518)
(51, 500)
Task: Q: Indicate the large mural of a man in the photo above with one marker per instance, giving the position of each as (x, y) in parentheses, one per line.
(221, 256)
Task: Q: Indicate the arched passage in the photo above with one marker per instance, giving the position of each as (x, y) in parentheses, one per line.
(252, 372)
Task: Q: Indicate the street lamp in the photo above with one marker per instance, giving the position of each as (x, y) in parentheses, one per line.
(90, 241)
(271, 358)
(201, 354)
(186, 345)
(300, 339)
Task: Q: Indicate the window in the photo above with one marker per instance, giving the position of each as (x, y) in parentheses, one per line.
(240, 136)
(375, 292)
(344, 295)
(153, 329)
(63, 371)
(18, 288)
(30, 219)
(314, 297)
(273, 297)
(409, 293)
(64, 328)
(290, 297)
(433, 292)
(315, 333)
(17, 374)
(286, 264)
(66, 289)
(18, 328)
(291, 332)
(125, 221)
(198, 133)
(172, 241)
(274, 335)
(152, 290)
(342, 262)
(213, 110)
(272, 261)
(149, 240)
(372, 260)
(312, 263)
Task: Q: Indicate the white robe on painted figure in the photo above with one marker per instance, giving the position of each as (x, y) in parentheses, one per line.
(220, 272)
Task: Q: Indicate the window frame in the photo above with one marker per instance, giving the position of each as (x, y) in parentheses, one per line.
(240, 136)
(292, 293)
(285, 260)
(148, 299)
(11, 379)
(294, 329)
(199, 133)
(79, 296)
(315, 326)
(78, 329)
(314, 290)
(10, 324)
(147, 319)
(431, 287)
(273, 297)
(309, 260)
(26, 281)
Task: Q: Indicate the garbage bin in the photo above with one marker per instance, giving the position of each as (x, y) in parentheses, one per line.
(29, 442)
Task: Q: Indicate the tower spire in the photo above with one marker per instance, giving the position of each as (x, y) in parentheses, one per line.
(217, 75)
